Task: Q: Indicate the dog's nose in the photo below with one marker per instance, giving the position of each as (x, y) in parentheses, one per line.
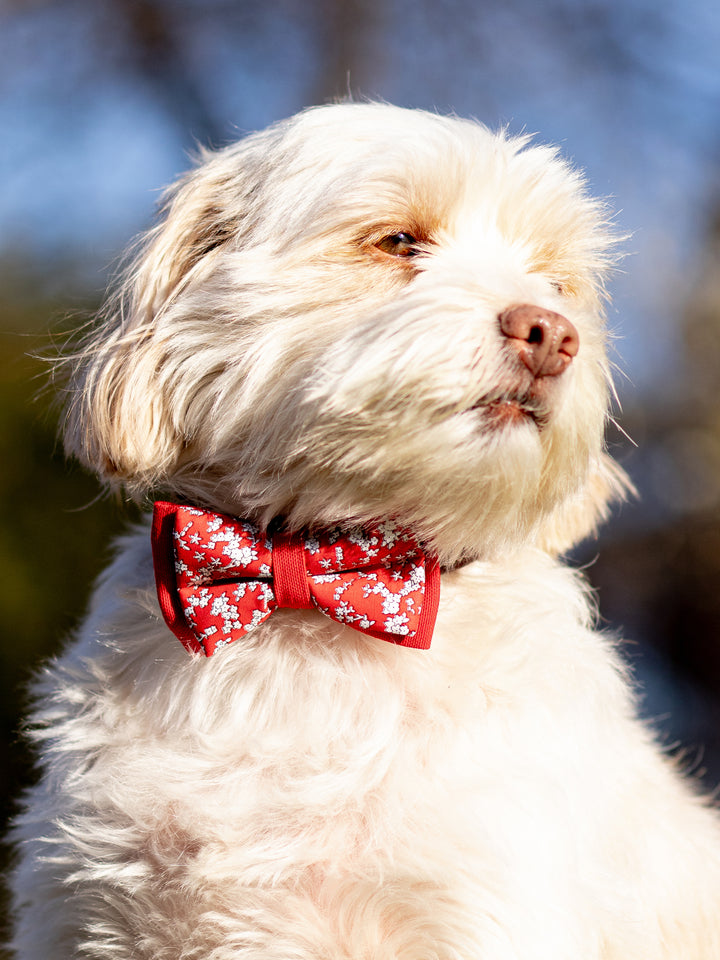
(545, 341)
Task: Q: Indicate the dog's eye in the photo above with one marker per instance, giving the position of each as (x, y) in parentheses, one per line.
(399, 245)
(557, 286)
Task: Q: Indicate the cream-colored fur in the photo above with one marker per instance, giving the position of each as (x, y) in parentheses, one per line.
(311, 793)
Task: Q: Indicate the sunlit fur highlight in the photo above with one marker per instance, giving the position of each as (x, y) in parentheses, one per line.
(310, 793)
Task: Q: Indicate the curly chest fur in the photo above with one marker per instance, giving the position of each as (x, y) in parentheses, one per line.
(345, 774)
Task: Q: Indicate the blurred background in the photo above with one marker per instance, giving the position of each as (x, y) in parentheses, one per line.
(103, 101)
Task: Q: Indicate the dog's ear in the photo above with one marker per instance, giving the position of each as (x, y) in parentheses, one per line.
(120, 418)
(117, 422)
(580, 516)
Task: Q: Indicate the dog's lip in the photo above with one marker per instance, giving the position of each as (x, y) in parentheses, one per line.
(512, 408)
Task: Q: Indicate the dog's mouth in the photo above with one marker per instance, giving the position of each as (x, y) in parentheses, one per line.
(507, 409)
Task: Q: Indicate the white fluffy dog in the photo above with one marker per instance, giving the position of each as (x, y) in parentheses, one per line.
(361, 316)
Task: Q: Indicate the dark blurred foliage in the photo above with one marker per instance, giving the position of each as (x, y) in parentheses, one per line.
(658, 570)
(662, 587)
(56, 529)
(657, 567)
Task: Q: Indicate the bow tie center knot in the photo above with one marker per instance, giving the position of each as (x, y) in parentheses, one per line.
(290, 577)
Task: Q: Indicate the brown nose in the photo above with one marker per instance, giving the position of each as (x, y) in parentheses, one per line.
(545, 341)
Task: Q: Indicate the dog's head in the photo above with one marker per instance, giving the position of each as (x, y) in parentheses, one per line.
(359, 313)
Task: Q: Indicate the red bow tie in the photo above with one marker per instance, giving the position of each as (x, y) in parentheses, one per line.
(217, 577)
